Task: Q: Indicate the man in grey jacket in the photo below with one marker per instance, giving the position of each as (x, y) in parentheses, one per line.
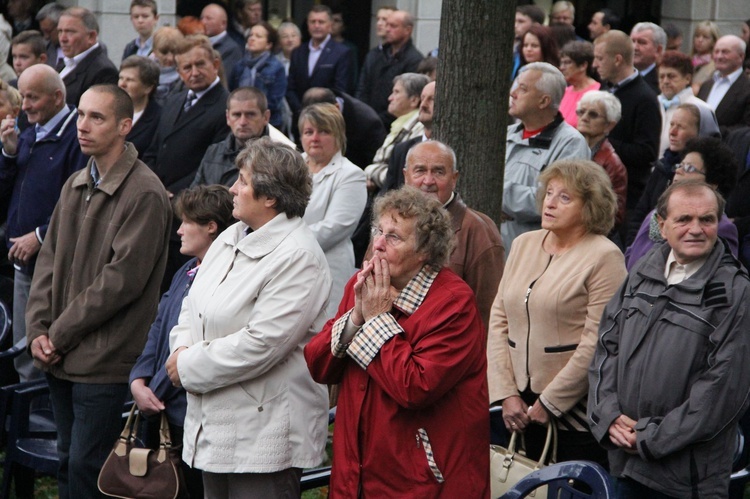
(247, 119)
(541, 138)
(670, 377)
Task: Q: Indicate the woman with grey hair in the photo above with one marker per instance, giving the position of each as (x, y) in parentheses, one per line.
(408, 349)
(338, 195)
(545, 319)
(598, 112)
(255, 418)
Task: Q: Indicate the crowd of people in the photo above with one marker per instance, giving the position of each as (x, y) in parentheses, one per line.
(304, 229)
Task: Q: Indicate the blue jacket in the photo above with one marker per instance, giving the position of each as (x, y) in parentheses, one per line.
(270, 78)
(34, 178)
(150, 364)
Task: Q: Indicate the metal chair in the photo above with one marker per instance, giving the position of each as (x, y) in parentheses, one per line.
(6, 322)
(560, 479)
(32, 439)
(318, 477)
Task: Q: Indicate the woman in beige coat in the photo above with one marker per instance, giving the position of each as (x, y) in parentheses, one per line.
(544, 322)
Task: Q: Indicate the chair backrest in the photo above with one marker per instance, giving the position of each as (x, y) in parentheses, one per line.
(6, 321)
(558, 478)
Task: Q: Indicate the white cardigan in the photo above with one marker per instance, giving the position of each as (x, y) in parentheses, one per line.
(255, 303)
(338, 199)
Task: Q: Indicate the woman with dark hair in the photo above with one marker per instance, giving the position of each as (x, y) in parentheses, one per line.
(687, 122)
(706, 159)
(259, 68)
(576, 60)
(538, 45)
(205, 212)
(139, 77)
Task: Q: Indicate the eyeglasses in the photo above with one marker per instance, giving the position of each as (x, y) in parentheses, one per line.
(688, 168)
(391, 239)
(588, 112)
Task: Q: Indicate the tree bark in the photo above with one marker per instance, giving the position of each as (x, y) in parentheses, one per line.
(471, 99)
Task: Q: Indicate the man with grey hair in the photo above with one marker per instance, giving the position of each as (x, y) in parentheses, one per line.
(563, 12)
(478, 256)
(403, 103)
(728, 92)
(396, 56)
(48, 17)
(649, 43)
(86, 64)
(541, 137)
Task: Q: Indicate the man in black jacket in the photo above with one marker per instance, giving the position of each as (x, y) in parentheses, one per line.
(247, 119)
(190, 121)
(397, 56)
(86, 63)
(636, 136)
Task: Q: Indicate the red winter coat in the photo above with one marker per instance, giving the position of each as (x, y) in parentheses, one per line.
(431, 377)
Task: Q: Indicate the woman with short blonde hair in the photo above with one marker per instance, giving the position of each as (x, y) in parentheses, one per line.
(544, 322)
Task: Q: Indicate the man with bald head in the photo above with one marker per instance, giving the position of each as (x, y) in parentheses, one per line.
(34, 165)
(636, 136)
(478, 256)
(728, 92)
(214, 18)
(396, 56)
(86, 63)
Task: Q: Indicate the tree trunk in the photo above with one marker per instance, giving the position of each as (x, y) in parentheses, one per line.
(471, 100)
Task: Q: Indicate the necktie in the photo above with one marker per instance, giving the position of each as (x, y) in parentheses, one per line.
(189, 101)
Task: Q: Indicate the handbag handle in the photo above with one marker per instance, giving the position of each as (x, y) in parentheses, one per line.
(130, 431)
(551, 441)
(165, 440)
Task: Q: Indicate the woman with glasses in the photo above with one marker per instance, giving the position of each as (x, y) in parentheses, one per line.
(408, 349)
(685, 123)
(706, 159)
(339, 192)
(545, 319)
(598, 112)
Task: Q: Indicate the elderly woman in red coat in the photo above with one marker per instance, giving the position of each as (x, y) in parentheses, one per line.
(407, 346)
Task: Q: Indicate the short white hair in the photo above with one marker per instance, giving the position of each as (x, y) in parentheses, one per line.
(658, 35)
(551, 82)
(610, 103)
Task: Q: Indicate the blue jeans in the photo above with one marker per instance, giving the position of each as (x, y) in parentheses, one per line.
(89, 421)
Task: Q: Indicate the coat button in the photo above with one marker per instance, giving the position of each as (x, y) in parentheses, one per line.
(362, 387)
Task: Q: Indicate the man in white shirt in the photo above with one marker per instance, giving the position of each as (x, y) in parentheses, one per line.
(86, 64)
(728, 92)
(322, 62)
